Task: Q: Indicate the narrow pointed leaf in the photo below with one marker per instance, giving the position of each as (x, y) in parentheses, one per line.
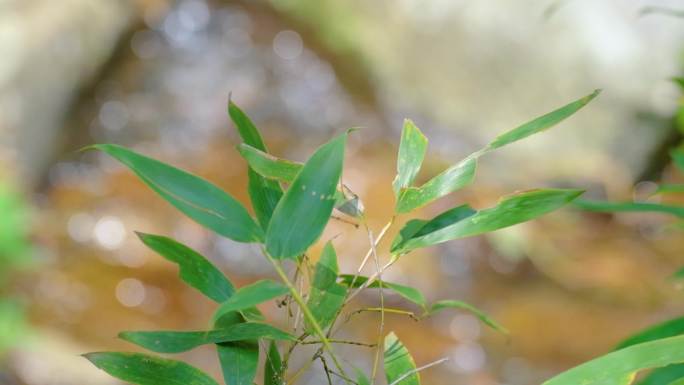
(247, 130)
(616, 207)
(452, 179)
(511, 210)
(304, 210)
(239, 360)
(669, 328)
(263, 193)
(270, 166)
(453, 304)
(399, 363)
(411, 153)
(664, 375)
(541, 123)
(407, 292)
(200, 200)
(326, 296)
(141, 369)
(195, 269)
(251, 295)
(418, 227)
(677, 382)
(180, 341)
(273, 367)
(620, 366)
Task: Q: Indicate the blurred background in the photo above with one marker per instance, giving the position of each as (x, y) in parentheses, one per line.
(156, 74)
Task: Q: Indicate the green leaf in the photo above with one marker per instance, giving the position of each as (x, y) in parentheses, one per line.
(620, 366)
(195, 197)
(141, 369)
(418, 227)
(180, 341)
(251, 295)
(453, 304)
(452, 179)
(463, 173)
(239, 360)
(411, 153)
(263, 193)
(510, 210)
(247, 130)
(326, 296)
(614, 207)
(406, 292)
(677, 382)
(664, 375)
(195, 269)
(304, 210)
(399, 363)
(273, 367)
(269, 166)
(541, 123)
(669, 328)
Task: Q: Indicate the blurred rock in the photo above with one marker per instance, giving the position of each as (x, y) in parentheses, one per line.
(49, 50)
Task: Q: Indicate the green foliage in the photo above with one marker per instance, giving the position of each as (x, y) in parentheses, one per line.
(205, 203)
(142, 369)
(176, 342)
(273, 367)
(400, 369)
(465, 222)
(195, 269)
(620, 367)
(293, 203)
(461, 174)
(251, 295)
(304, 210)
(326, 296)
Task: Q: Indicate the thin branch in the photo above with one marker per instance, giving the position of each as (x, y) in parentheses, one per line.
(407, 313)
(345, 342)
(416, 370)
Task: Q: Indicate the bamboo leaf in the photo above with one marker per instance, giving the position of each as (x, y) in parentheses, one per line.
(406, 292)
(326, 296)
(510, 210)
(269, 166)
(453, 304)
(273, 367)
(399, 363)
(180, 341)
(251, 295)
(418, 227)
(620, 367)
(141, 369)
(462, 174)
(195, 197)
(615, 207)
(263, 193)
(452, 179)
(239, 360)
(304, 210)
(669, 328)
(664, 375)
(541, 123)
(195, 269)
(411, 153)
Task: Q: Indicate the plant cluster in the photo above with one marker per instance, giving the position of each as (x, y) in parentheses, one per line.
(292, 203)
